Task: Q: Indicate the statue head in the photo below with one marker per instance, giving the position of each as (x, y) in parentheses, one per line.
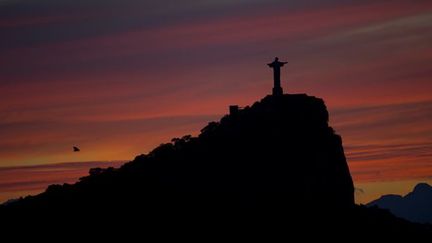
(276, 59)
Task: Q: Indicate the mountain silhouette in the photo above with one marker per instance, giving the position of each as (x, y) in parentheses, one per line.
(416, 206)
(275, 164)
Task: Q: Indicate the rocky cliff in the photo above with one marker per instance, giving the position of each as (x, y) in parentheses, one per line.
(274, 164)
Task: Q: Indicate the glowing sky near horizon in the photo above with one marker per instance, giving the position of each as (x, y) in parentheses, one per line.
(117, 78)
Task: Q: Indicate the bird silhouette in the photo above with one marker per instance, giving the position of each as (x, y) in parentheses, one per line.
(76, 149)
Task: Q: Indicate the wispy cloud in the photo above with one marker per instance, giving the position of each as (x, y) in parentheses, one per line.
(22, 180)
(104, 137)
(387, 142)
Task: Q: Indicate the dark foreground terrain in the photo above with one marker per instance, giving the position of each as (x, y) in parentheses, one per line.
(276, 165)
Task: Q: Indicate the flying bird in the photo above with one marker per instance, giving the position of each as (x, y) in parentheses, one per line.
(76, 149)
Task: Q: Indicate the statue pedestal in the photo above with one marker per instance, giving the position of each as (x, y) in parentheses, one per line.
(277, 91)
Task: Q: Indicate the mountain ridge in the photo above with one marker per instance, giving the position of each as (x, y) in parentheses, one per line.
(415, 206)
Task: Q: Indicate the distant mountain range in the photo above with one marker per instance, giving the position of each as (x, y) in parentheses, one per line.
(416, 206)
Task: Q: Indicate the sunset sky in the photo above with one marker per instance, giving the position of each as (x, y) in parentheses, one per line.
(117, 78)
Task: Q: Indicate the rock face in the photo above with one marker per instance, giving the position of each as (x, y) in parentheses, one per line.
(416, 206)
(279, 153)
(283, 147)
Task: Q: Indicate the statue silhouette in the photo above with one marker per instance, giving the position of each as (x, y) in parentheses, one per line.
(276, 65)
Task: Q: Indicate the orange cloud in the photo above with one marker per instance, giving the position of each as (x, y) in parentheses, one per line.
(25, 180)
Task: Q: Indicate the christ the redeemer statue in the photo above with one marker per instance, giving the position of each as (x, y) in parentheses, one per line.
(276, 65)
